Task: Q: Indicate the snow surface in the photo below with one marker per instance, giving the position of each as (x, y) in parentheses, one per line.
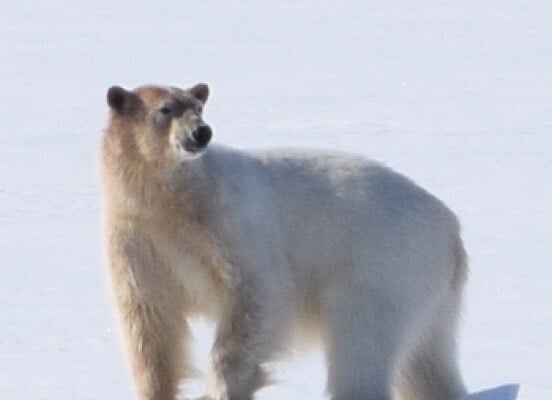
(457, 95)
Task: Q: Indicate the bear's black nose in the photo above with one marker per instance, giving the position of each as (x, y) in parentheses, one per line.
(202, 135)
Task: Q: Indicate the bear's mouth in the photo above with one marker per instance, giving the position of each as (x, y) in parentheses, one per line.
(191, 146)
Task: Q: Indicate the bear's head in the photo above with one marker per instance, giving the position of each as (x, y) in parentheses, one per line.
(157, 124)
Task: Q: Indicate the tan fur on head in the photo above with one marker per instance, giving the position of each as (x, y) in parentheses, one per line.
(158, 121)
(150, 131)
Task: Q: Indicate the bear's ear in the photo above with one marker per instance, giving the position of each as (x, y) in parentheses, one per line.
(200, 92)
(120, 100)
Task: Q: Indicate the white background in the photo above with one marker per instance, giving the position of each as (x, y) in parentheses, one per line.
(456, 95)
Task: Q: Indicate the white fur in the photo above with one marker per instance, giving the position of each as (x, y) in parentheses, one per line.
(373, 260)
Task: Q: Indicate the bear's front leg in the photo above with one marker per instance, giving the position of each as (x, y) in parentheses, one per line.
(243, 342)
(153, 327)
(154, 348)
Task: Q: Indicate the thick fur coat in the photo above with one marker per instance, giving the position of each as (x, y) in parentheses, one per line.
(268, 244)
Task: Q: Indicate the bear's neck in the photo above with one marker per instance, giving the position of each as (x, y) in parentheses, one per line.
(145, 191)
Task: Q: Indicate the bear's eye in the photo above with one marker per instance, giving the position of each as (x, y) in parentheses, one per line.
(166, 110)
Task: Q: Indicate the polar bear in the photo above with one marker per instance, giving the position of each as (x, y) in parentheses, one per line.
(267, 244)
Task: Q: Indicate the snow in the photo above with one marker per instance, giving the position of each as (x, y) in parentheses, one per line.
(457, 95)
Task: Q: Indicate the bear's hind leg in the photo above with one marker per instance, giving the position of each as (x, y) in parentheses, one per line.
(431, 372)
(361, 348)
